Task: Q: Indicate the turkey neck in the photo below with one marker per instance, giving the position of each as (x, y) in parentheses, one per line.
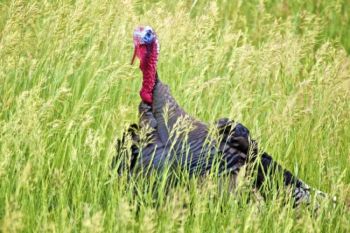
(148, 66)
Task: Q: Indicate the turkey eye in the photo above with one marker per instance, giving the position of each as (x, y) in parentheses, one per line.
(148, 37)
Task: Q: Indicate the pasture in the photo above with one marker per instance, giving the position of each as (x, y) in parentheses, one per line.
(68, 91)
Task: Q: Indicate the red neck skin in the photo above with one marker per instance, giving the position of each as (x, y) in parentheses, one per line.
(148, 66)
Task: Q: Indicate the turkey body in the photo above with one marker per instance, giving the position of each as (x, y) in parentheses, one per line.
(175, 140)
(180, 141)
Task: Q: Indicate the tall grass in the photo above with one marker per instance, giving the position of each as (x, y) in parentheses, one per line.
(67, 92)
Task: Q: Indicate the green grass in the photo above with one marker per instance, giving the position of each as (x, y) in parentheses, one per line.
(67, 91)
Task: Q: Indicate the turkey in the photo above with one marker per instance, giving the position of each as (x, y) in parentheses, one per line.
(168, 137)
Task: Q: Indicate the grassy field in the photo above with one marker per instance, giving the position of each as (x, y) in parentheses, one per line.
(67, 91)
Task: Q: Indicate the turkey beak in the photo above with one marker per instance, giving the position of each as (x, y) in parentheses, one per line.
(133, 57)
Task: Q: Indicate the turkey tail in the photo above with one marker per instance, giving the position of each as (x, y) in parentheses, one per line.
(236, 136)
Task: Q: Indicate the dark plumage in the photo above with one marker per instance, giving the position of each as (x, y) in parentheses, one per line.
(177, 140)
(195, 150)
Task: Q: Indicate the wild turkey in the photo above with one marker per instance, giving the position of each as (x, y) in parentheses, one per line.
(177, 140)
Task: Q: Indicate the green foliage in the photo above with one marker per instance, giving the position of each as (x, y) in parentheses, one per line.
(67, 92)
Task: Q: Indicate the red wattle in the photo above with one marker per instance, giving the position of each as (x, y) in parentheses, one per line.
(148, 65)
(146, 96)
